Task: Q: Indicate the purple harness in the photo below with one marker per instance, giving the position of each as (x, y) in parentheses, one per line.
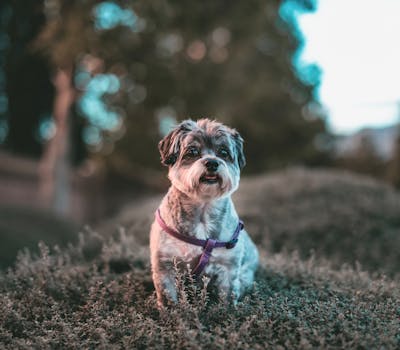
(207, 244)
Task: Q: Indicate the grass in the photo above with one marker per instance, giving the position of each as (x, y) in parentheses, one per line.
(65, 301)
(98, 293)
(335, 215)
(339, 216)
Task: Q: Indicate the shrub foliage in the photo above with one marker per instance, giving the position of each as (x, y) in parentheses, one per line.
(343, 217)
(336, 215)
(99, 294)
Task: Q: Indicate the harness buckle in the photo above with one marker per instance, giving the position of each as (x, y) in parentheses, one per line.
(231, 244)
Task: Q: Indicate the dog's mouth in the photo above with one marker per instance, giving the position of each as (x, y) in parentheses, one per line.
(210, 179)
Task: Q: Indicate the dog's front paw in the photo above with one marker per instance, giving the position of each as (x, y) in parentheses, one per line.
(166, 291)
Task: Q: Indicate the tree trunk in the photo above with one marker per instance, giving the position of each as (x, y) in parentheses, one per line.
(55, 165)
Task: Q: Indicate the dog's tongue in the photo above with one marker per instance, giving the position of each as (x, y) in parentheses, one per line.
(210, 177)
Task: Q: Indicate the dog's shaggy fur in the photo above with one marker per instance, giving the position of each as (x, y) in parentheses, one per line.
(204, 160)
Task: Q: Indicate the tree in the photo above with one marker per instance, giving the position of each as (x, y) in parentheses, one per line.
(26, 93)
(137, 65)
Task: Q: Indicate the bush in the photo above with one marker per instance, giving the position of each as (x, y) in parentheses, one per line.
(335, 215)
(343, 217)
(99, 294)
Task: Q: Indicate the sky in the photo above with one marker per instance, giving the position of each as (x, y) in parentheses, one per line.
(356, 43)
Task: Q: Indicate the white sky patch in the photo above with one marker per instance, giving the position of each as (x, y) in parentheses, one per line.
(356, 44)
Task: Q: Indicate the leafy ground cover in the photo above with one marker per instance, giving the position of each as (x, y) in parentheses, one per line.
(65, 301)
(98, 293)
(334, 215)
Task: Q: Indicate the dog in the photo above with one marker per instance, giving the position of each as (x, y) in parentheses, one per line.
(196, 223)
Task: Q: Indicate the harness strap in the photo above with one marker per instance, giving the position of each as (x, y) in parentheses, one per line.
(204, 257)
(207, 244)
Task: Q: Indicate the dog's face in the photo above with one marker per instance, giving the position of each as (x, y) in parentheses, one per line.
(204, 158)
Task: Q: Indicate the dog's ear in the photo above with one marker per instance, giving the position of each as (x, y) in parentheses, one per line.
(238, 140)
(170, 145)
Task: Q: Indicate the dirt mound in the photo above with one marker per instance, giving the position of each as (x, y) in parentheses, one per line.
(340, 216)
(24, 227)
(343, 217)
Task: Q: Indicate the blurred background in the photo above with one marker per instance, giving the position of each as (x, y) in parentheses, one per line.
(88, 88)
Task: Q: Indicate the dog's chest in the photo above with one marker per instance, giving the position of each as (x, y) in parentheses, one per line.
(190, 253)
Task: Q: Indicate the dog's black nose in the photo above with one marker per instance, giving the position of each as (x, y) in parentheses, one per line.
(211, 164)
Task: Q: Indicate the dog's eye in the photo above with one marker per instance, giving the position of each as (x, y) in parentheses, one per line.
(192, 153)
(223, 153)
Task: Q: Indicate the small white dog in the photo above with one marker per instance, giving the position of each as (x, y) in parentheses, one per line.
(197, 223)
